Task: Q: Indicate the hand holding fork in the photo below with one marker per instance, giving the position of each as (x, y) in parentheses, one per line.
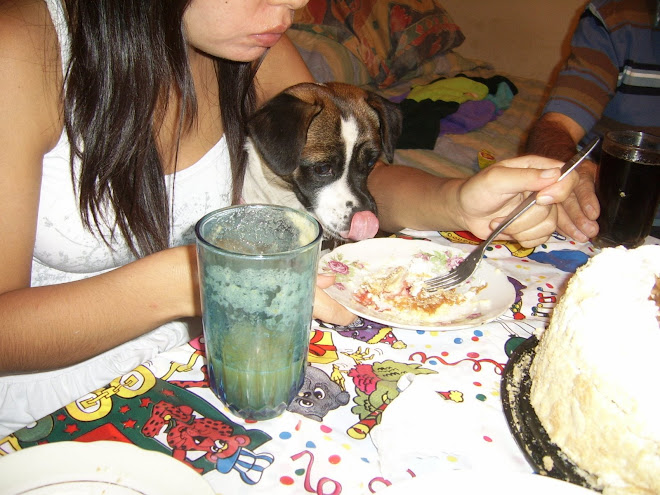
(470, 264)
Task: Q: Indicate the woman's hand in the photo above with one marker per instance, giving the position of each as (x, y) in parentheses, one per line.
(488, 197)
(327, 309)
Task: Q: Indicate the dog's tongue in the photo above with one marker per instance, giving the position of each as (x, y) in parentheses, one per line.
(364, 225)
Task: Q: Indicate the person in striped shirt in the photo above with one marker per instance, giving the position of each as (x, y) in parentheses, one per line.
(610, 80)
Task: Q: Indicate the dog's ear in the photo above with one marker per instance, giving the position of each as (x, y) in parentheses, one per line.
(391, 122)
(279, 130)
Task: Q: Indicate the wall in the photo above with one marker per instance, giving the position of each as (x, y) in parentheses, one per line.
(528, 38)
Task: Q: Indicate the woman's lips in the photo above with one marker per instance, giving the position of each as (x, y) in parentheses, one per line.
(267, 39)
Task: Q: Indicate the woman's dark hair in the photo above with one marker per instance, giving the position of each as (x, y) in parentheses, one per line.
(127, 56)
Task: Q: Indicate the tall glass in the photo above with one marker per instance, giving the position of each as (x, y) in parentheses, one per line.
(628, 188)
(257, 271)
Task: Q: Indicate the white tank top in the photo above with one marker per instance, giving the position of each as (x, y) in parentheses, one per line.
(65, 251)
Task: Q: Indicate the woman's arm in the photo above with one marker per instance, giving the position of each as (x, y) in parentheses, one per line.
(58, 325)
(281, 68)
(29, 122)
(411, 198)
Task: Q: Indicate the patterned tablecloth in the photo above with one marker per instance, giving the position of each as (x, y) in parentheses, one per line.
(324, 445)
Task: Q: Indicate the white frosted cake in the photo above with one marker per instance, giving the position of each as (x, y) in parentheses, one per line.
(596, 371)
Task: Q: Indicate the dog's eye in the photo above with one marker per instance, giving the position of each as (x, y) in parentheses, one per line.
(369, 157)
(323, 170)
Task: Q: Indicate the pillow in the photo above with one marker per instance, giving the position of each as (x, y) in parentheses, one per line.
(327, 59)
(391, 38)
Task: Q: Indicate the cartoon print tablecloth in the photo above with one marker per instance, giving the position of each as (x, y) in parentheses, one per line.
(322, 444)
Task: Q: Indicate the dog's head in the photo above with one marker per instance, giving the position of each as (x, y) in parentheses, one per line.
(323, 140)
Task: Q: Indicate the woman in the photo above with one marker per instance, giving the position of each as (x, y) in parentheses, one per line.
(142, 103)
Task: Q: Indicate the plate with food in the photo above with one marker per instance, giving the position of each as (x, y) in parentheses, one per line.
(383, 280)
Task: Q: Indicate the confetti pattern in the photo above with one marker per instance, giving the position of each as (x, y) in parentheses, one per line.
(321, 444)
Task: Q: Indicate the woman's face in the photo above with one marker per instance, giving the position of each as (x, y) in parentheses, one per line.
(240, 30)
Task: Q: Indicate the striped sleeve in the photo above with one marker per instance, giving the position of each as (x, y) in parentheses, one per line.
(613, 71)
(589, 78)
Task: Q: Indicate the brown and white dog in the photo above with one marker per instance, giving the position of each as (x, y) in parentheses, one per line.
(312, 147)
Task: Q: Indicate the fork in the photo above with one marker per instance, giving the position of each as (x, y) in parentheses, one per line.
(470, 264)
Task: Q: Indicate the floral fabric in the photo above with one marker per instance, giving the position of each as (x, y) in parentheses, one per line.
(390, 38)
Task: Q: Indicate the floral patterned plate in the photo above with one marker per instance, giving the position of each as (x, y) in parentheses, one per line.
(353, 264)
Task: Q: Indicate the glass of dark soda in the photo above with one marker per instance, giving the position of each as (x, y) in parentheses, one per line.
(628, 188)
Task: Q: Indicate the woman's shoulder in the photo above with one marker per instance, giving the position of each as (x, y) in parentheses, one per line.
(23, 20)
(282, 67)
(30, 70)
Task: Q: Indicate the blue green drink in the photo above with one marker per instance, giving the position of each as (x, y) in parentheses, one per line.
(257, 271)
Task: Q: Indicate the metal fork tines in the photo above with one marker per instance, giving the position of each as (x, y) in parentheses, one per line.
(470, 264)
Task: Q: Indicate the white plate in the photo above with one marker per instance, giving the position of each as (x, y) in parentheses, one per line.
(351, 263)
(113, 468)
(484, 482)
